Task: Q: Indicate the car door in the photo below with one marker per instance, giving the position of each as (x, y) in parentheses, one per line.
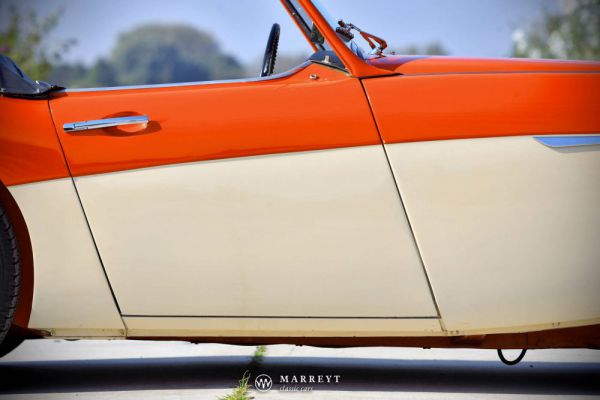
(501, 183)
(268, 197)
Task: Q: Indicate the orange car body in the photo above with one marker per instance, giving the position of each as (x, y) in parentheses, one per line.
(453, 131)
(461, 98)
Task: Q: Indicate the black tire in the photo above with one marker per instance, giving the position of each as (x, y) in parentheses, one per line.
(10, 343)
(10, 275)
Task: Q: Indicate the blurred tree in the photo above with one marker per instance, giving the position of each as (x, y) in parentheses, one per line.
(429, 49)
(284, 62)
(170, 53)
(101, 74)
(24, 40)
(574, 34)
(153, 54)
(69, 75)
(160, 54)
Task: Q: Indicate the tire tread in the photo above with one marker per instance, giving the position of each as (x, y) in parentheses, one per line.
(10, 274)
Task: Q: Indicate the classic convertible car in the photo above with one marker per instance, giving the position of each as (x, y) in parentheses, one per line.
(361, 198)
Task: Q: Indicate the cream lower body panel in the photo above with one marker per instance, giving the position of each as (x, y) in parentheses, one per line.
(315, 327)
(310, 234)
(294, 327)
(71, 296)
(508, 228)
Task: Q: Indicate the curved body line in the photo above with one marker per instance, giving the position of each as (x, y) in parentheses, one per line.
(185, 84)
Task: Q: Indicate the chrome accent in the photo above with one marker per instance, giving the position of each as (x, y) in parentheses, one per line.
(202, 83)
(104, 123)
(377, 44)
(568, 141)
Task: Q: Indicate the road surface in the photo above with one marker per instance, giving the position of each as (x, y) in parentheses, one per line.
(119, 370)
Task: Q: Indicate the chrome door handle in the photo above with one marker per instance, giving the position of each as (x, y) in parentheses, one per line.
(104, 123)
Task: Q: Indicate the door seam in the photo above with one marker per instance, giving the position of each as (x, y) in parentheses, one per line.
(87, 222)
(394, 177)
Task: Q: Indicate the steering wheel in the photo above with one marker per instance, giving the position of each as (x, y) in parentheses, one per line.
(268, 64)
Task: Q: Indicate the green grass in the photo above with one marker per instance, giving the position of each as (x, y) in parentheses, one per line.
(259, 354)
(240, 392)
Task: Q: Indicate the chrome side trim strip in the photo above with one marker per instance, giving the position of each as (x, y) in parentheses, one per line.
(168, 85)
(568, 141)
(273, 316)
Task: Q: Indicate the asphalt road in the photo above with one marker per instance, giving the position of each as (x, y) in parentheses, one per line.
(57, 369)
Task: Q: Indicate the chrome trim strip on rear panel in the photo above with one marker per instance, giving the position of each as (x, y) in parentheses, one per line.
(568, 141)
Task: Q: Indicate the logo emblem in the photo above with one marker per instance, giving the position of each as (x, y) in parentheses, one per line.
(263, 383)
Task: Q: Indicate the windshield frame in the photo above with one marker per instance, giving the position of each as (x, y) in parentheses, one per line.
(311, 31)
(296, 11)
(347, 51)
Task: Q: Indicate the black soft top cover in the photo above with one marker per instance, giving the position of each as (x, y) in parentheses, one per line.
(14, 82)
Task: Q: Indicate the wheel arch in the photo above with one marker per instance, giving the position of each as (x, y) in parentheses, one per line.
(23, 311)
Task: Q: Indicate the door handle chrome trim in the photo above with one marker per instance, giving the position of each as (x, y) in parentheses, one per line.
(568, 141)
(104, 123)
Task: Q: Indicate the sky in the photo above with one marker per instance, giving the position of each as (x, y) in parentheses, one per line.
(464, 27)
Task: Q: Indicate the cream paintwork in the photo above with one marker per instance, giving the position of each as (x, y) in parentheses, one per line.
(319, 233)
(306, 327)
(479, 209)
(314, 327)
(509, 230)
(71, 294)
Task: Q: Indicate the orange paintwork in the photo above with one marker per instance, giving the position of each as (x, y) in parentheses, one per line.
(29, 149)
(215, 121)
(412, 98)
(433, 107)
(416, 65)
